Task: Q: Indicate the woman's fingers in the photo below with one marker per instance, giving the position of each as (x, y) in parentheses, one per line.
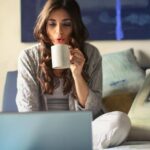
(76, 56)
(77, 52)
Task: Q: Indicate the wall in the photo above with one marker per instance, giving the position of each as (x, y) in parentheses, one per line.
(11, 45)
(9, 38)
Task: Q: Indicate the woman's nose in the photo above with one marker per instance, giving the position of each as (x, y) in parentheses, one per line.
(59, 29)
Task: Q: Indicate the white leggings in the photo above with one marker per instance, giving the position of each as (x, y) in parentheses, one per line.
(110, 129)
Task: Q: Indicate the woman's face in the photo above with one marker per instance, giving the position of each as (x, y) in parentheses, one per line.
(59, 27)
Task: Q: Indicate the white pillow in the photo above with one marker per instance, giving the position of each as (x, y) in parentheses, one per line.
(121, 73)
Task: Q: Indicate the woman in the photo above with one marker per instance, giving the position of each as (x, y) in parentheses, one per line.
(60, 23)
(79, 88)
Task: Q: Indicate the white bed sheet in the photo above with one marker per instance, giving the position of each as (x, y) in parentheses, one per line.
(132, 145)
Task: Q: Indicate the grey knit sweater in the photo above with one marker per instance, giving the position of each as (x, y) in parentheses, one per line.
(29, 96)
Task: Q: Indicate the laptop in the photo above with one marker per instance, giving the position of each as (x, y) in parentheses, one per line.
(46, 131)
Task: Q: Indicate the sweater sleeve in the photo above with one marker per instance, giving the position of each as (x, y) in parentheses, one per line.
(27, 98)
(94, 99)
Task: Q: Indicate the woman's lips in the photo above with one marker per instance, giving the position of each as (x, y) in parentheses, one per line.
(60, 40)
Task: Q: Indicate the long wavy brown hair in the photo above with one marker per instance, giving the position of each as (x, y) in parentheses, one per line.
(79, 34)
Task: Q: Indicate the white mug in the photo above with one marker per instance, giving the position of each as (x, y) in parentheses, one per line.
(60, 56)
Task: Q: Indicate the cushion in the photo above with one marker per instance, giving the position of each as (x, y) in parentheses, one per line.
(120, 102)
(121, 73)
(10, 90)
(147, 72)
(143, 57)
(140, 113)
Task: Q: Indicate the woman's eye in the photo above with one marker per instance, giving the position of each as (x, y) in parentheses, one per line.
(67, 23)
(52, 24)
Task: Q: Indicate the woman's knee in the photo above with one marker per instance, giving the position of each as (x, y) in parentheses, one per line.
(113, 119)
(120, 119)
(114, 126)
(121, 127)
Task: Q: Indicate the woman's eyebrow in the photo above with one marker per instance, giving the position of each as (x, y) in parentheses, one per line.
(66, 19)
(51, 19)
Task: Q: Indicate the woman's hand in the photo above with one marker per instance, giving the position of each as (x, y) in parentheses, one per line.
(77, 61)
